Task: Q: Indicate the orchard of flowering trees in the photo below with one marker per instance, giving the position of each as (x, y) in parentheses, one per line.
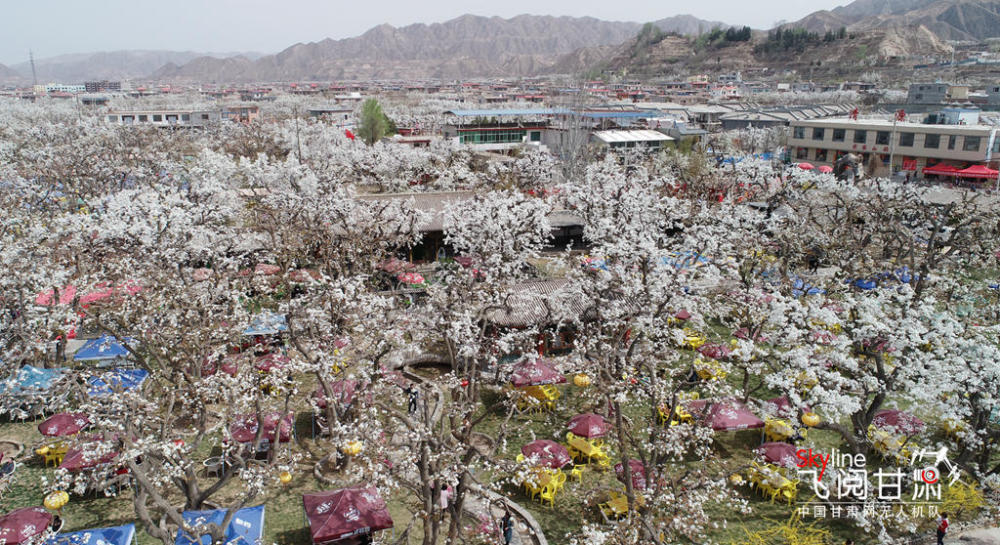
(687, 291)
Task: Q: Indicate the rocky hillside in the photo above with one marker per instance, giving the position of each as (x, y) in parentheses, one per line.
(109, 65)
(971, 20)
(9, 76)
(466, 46)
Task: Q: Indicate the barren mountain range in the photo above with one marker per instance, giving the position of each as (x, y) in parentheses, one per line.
(471, 46)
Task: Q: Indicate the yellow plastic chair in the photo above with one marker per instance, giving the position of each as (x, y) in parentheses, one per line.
(577, 473)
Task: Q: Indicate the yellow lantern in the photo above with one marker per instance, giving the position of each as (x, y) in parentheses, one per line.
(352, 448)
(810, 419)
(285, 477)
(56, 500)
(581, 380)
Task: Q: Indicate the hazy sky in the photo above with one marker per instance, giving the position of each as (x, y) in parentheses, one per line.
(55, 27)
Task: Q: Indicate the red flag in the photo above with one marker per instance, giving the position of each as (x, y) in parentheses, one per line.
(854, 114)
(349, 134)
(901, 115)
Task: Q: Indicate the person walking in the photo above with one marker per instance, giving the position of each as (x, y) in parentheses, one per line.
(942, 528)
(507, 526)
(413, 395)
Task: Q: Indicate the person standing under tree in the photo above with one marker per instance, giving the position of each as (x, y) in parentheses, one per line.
(942, 528)
(413, 396)
(507, 525)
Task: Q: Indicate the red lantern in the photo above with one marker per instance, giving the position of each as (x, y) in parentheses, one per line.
(465, 382)
(179, 442)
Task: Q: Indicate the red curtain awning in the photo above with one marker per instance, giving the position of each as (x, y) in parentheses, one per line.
(978, 171)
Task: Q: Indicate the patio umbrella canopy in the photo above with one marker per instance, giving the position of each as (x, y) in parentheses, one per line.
(588, 425)
(535, 372)
(23, 524)
(109, 383)
(339, 514)
(59, 425)
(638, 473)
(83, 457)
(825, 169)
(343, 393)
(245, 528)
(244, 427)
(894, 419)
(781, 454)
(806, 166)
(728, 415)
(116, 535)
(545, 453)
(271, 362)
(782, 407)
(103, 348)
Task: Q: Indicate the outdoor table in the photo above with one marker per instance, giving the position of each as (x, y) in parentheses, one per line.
(587, 449)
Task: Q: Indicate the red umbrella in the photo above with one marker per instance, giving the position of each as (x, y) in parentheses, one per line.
(728, 415)
(588, 425)
(59, 425)
(898, 420)
(271, 362)
(547, 453)
(343, 392)
(682, 314)
(23, 524)
(529, 372)
(339, 514)
(825, 169)
(244, 427)
(638, 473)
(715, 351)
(83, 457)
(806, 166)
(782, 454)
(229, 366)
(782, 407)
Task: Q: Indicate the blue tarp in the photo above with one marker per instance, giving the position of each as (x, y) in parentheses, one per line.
(103, 348)
(30, 378)
(267, 323)
(117, 535)
(800, 287)
(127, 379)
(684, 259)
(246, 527)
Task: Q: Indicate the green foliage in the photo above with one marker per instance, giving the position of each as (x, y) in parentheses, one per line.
(717, 37)
(374, 123)
(797, 39)
(650, 34)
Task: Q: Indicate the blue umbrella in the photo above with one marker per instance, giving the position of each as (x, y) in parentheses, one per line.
(245, 528)
(30, 378)
(267, 323)
(103, 348)
(116, 535)
(126, 379)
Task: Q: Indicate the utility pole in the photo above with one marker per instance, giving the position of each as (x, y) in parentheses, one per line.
(34, 76)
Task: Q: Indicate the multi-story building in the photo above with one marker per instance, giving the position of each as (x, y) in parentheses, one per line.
(63, 88)
(928, 93)
(102, 86)
(165, 118)
(913, 146)
(993, 95)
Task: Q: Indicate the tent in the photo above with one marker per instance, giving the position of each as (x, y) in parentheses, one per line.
(727, 415)
(339, 514)
(530, 372)
(109, 382)
(115, 535)
(103, 348)
(977, 171)
(941, 170)
(22, 525)
(245, 528)
(266, 323)
(30, 380)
